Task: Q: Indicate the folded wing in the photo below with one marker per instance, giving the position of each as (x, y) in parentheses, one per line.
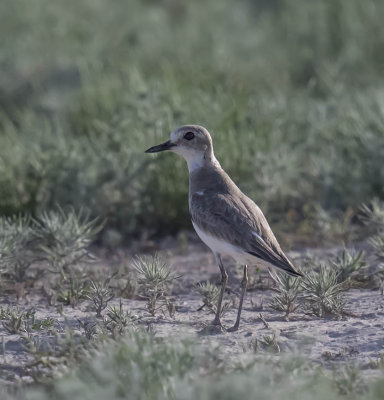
(239, 222)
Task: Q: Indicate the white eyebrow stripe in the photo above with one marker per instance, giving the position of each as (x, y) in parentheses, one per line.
(200, 192)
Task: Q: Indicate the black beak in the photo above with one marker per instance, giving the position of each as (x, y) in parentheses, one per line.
(161, 147)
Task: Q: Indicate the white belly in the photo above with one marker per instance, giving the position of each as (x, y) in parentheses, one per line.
(217, 245)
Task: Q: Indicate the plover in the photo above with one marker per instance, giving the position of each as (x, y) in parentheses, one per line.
(224, 218)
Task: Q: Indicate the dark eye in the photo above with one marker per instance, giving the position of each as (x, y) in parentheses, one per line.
(189, 135)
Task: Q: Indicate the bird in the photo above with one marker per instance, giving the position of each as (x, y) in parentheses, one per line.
(225, 219)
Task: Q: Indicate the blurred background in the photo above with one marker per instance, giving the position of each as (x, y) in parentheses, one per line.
(292, 92)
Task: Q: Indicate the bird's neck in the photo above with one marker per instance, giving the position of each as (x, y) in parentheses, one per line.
(197, 161)
(209, 176)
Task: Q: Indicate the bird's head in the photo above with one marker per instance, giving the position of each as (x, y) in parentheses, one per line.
(192, 142)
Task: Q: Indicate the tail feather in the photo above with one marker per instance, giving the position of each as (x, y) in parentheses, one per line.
(293, 272)
(283, 263)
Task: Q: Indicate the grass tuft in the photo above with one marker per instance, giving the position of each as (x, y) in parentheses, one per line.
(323, 292)
(118, 321)
(65, 238)
(347, 265)
(377, 242)
(372, 215)
(16, 248)
(155, 276)
(14, 319)
(288, 289)
(209, 294)
(100, 294)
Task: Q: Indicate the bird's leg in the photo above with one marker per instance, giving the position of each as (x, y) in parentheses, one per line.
(243, 287)
(224, 280)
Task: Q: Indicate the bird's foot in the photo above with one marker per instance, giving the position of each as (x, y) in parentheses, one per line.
(234, 328)
(213, 329)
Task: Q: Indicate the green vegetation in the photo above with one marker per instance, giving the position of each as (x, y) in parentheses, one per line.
(323, 292)
(16, 251)
(347, 265)
(287, 292)
(320, 291)
(65, 238)
(58, 242)
(291, 91)
(15, 320)
(209, 295)
(373, 217)
(141, 366)
(101, 295)
(155, 276)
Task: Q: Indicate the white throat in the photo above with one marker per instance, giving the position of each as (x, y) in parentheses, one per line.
(197, 160)
(194, 161)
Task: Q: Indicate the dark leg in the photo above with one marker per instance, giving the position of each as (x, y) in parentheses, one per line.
(224, 280)
(243, 286)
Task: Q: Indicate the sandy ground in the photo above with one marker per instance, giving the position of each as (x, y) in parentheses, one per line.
(358, 338)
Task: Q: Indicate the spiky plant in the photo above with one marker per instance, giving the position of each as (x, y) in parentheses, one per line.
(14, 319)
(323, 292)
(372, 215)
(117, 320)
(268, 344)
(54, 355)
(16, 239)
(347, 264)
(154, 276)
(71, 290)
(100, 295)
(287, 290)
(209, 294)
(377, 242)
(348, 380)
(65, 237)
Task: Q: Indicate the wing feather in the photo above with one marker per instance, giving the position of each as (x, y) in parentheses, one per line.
(239, 222)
